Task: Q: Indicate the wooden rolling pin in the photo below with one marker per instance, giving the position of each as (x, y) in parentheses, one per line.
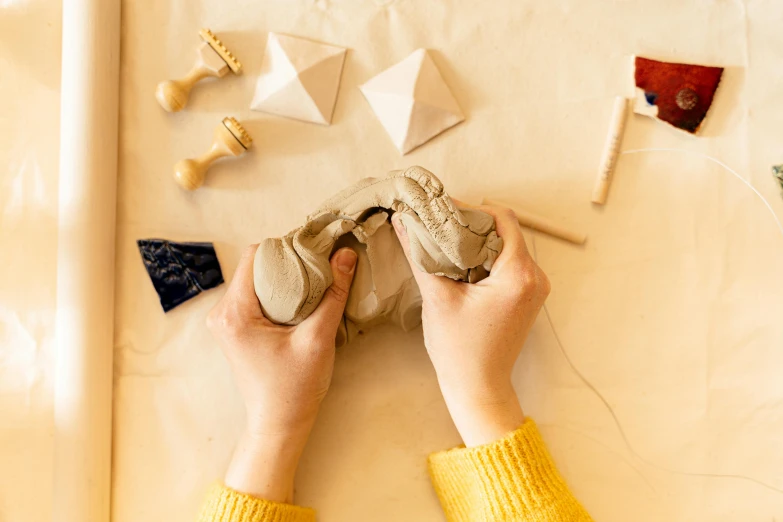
(83, 373)
(526, 219)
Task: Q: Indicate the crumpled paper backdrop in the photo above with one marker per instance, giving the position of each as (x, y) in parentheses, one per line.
(672, 310)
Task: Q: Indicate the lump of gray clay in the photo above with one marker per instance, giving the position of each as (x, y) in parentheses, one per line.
(293, 272)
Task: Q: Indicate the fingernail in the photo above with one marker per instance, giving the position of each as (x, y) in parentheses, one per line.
(398, 226)
(346, 260)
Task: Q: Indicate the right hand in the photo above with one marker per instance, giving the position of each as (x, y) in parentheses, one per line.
(475, 332)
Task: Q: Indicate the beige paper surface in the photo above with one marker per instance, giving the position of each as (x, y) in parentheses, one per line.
(672, 309)
(29, 147)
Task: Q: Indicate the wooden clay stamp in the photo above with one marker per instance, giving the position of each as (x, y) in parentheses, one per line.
(230, 139)
(213, 59)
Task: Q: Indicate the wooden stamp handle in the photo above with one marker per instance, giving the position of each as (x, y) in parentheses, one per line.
(173, 94)
(190, 173)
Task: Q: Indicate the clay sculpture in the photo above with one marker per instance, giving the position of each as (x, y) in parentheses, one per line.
(292, 273)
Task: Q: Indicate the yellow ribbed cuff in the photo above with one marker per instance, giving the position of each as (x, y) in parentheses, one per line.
(223, 504)
(512, 479)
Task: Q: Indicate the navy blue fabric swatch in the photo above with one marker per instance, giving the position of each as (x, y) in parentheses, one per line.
(179, 271)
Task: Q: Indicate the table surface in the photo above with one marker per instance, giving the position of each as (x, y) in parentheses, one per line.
(671, 311)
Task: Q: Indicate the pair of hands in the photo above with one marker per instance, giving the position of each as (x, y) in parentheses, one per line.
(473, 334)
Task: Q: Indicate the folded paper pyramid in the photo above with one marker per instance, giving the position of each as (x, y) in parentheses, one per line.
(412, 101)
(299, 79)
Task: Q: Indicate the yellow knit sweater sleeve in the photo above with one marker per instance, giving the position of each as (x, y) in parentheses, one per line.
(512, 479)
(223, 504)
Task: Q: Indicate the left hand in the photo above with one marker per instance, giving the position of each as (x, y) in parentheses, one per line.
(283, 374)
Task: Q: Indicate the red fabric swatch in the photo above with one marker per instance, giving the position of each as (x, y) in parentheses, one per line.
(683, 93)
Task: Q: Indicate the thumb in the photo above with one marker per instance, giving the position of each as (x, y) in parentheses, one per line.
(329, 313)
(428, 283)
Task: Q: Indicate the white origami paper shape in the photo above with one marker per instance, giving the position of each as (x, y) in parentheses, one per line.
(299, 79)
(412, 101)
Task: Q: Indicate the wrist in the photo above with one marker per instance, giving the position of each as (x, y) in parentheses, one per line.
(483, 414)
(260, 429)
(264, 464)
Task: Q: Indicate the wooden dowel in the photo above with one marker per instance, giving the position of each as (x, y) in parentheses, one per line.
(612, 146)
(526, 219)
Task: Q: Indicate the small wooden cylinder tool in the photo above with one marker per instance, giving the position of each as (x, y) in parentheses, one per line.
(611, 150)
(213, 60)
(230, 139)
(526, 219)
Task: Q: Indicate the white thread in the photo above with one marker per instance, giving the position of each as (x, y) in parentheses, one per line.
(600, 396)
(607, 448)
(719, 162)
